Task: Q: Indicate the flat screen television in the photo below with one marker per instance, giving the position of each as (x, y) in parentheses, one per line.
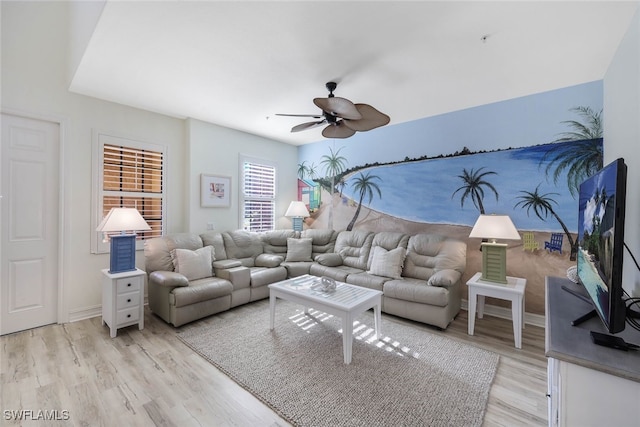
(601, 242)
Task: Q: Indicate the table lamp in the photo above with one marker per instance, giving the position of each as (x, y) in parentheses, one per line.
(123, 246)
(494, 255)
(297, 211)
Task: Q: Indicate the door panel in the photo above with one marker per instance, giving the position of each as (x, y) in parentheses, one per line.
(29, 234)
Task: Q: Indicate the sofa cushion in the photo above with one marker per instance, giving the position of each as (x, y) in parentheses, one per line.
(276, 241)
(429, 253)
(367, 280)
(193, 264)
(268, 260)
(329, 260)
(322, 240)
(444, 278)
(298, 249)
(387, 263)
(214, 238)
(416, 290)
(241, 244)
(200, 290)
(354, 247)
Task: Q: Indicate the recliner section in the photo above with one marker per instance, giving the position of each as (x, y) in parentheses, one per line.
(419, 275)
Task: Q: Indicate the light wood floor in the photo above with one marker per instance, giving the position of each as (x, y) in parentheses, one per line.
(148, 377)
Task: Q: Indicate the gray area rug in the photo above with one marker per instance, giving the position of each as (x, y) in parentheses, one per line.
(411, 377)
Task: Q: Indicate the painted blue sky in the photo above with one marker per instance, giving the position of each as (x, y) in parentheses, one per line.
(422, 191)
(519, 122)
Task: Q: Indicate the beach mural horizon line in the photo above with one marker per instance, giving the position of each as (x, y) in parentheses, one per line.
(425, 190)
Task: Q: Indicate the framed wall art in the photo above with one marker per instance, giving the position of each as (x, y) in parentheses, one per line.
(215, 191)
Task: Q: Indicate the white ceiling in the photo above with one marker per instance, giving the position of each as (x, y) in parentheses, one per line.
(238, 63)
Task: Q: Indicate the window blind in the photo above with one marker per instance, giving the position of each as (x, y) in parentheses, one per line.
(133, 178)
(259, 193)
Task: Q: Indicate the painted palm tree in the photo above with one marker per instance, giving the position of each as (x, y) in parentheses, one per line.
(364, 186)
(334, 164)
(582, 158)
(341, 184)
(474, 181)
(542, 205)
(305, 170)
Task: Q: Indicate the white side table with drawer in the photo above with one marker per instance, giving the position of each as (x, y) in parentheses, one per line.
(122, 299)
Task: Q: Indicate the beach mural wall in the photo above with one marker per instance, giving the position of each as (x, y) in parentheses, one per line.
(523, 157)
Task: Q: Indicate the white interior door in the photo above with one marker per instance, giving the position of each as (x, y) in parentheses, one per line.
(29, 214)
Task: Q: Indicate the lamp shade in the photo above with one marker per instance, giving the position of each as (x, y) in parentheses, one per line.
(494, 227)
(297, 209)
(123, 219)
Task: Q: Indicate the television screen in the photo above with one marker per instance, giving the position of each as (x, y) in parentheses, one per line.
(601, 240)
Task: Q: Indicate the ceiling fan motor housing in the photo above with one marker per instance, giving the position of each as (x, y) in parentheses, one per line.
(331, 86)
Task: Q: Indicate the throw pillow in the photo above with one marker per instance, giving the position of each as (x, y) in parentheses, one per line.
(387, 263)
(193, 264)
(298, 249)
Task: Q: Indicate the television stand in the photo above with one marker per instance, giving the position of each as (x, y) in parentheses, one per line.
(593, 313)
(585, 378)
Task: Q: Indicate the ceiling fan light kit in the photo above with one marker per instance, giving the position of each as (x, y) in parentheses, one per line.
(342, 117)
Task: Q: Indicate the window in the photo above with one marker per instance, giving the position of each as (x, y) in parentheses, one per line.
(130, 174)
(258, 194)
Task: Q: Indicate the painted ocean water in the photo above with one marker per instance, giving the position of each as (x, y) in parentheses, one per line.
(423, 191)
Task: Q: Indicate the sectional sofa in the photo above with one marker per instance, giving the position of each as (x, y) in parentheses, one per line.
(191, 276)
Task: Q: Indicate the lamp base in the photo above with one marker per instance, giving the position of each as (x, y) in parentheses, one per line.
(297, 223)
(494, 262)
(123, 253)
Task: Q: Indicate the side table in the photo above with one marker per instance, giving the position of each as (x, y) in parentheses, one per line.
(122, 299)
(512, 291)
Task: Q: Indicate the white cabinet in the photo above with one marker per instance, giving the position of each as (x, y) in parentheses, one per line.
(588, 385)
(122, 299)
(580, 396)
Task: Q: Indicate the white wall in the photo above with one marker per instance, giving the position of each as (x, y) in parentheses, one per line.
(216, 150)
(622, 137)
(36, 46)
(41, 45)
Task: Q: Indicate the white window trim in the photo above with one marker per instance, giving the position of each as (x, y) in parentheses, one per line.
(99, 139)
(241, 160)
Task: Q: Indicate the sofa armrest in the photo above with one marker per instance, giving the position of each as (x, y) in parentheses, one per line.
(169, 279)
(225, 264)
(444, 278)
(268, 260)
(329, 260)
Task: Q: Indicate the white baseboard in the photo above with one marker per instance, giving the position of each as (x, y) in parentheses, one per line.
(85, 313)
(505, 313)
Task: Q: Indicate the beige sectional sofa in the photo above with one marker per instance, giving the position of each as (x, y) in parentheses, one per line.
(419, 275)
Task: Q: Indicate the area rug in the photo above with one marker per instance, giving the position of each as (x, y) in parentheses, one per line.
(410, 377)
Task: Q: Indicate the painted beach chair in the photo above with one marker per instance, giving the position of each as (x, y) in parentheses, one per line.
(529, 241)
(556, 242)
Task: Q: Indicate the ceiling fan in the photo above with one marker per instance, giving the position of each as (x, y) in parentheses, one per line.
(342, 117)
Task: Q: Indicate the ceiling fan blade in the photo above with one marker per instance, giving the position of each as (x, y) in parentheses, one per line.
(337, 106)
(371, 119)
(338, 130)
(315, 116)
(308, 125)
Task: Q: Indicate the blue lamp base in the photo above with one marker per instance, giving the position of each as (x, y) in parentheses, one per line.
(297, 223)
(123, 253)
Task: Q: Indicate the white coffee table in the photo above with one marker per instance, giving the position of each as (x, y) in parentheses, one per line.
(346, 302)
